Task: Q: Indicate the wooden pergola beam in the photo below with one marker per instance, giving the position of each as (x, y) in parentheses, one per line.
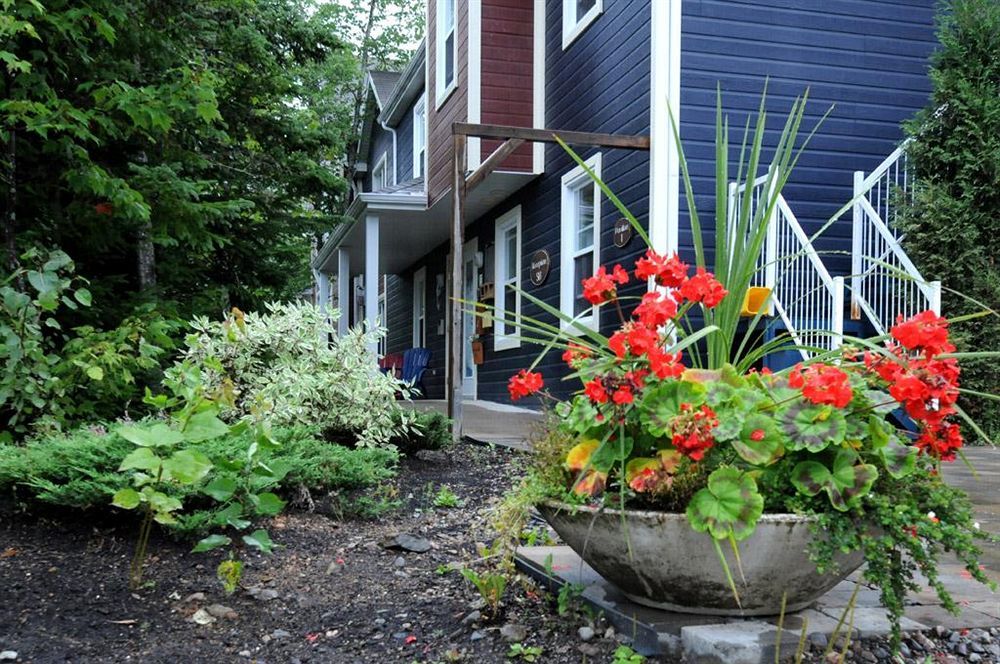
(513, 138)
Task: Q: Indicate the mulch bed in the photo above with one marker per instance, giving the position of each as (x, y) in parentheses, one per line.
(331, 593)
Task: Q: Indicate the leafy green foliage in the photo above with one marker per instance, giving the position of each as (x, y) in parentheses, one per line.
(952, 227)
(489, 585)
(811, 427)
(289, 361)
(422, 431)
(524, 653)
(625, 655)
(445, 497)
(846, 483)
(729, 506)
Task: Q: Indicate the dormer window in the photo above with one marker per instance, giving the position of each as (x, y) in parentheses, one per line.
(577, 15)
(446, 51)
(380, 174)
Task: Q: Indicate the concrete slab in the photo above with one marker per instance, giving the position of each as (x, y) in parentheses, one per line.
(746, 642)
(933, 615)
(488, 422)
(874, 621)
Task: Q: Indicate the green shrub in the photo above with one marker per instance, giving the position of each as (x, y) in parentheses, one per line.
(953, 225)
(426, 431)
(289, 361)
(79, 469)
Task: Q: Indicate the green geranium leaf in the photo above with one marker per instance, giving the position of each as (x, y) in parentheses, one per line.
(729, 505)
(220, 488)
(141, 458)
(161, 502)
(126, 499)
(610, 453)
(845, 485)
(268, 504)
(186, 466)
(760, 441)
(662, 404)
(232, 515)
(259, 539)
(156, 435)
(95, 373)
(811, 427)
(898, 460)
(83, 296)
(881, 402)
(211, 542)
(204, 426)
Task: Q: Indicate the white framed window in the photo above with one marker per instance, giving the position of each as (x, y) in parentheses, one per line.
(380, 174)
(419, 137)
(383, 320)
(577, 15)
(580, 248)
(420, 308)
(507, 278)
(446, 51)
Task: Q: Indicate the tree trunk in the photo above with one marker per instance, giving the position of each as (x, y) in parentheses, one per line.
(10, 208)
(359, 94)
(146, 255)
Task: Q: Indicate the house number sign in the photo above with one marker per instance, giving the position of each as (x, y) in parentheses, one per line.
(622, 232)
(538, 269)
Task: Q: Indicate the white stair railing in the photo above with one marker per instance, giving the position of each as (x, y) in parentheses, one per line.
(809, 301)
(884, 281)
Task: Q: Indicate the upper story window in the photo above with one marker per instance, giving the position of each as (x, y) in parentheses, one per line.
(446, 50)
(419, 137)
(581, 240)
(380, 174)
(507, 278)
(577, 15)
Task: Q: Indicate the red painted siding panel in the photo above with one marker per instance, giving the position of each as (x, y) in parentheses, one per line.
(454, 109)
(507, 74)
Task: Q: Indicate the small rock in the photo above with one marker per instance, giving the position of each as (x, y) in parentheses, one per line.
(513, 633)
(407, 542)
(586, 633)
(994, 650)
(245, 653)
(478, 635)
(941, 631)
(334, 568)
(609, 633)
(194, 597)
(399, 636)
(431, 455)
(868, 656)
(977, 647)
(379, 622)
(220, 611)
(472, 617)
(881, 653)
(904, 650)
(818, 640)
(202, 617)
(280, 634)
(400, 561)
(8, 656)
(962, 650)
(974, 657)
(924, 642)
(589, 649)
(263, 594)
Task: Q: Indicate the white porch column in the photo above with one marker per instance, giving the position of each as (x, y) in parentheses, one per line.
(322, 291)
(665, 96)
(343, 291)
(371, 274)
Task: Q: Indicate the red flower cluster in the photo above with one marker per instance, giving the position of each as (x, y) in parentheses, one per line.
(703, 287)
(620, 391)
(692, 431)
(822, 384)
(524, 383)
(669, 272)
(603, 287)
(655, 310)
(925, 384)
(575, 353)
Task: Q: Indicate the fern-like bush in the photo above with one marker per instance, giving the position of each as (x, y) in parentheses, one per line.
(289, 361)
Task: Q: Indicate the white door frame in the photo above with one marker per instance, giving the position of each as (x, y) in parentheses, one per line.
(470, 384)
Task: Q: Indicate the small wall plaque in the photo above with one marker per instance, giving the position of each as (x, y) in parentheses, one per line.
(538, 269)
(622, 233)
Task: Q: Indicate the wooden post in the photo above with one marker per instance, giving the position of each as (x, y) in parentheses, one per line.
(455, 341)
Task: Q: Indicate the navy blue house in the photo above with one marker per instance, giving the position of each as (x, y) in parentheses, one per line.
(619, 67)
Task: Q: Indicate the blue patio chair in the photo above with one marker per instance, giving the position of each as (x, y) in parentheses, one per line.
(415, 363)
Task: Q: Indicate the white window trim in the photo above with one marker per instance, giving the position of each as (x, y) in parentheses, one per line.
(573, 25)
(442, 91)
(419, 284)
(383, 342)
(420, 129)
(570, 183)
(380, 165)
(502, 338)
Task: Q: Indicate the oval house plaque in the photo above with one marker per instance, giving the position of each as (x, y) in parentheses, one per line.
(623, 232)
(538, 269)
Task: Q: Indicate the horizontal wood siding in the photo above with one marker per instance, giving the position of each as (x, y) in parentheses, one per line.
(506, 68)
(454, 108)
(404, 146)
(399, 311)
(867, 59)
(381, 142)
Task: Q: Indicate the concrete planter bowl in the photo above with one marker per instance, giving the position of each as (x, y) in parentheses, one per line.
(675, 568)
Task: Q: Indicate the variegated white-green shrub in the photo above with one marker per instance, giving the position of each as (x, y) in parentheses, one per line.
(288, 360)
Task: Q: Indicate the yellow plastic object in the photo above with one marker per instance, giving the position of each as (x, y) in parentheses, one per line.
(754, 301)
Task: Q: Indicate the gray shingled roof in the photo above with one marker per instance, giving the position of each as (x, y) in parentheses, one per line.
(412, 186)
(383, 82)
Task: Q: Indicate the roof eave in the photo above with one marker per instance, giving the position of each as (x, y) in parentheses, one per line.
(409, 84)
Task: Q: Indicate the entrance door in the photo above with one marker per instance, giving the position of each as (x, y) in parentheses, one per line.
(470, 293)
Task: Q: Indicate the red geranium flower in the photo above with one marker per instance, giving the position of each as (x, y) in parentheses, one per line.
(524, 383)
(655, 310)
(602, 287)
(664, 365)
(703, 287)
(623, 395)
(575, 353)
(692, 431)
(669, 272)
(594, 389)
(941, 442)
(926, 331)
(822, 384)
